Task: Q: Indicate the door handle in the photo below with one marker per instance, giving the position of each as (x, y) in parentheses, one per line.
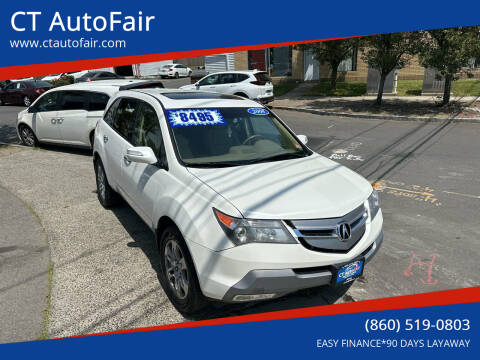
(59, 121)
(105, 139)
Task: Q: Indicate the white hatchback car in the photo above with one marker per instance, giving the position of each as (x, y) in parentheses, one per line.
(251, 84)
(242, 210)
(67, 115)
(174, 71)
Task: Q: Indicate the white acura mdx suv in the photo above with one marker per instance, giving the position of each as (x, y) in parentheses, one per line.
(67, 115)
(250, 84)
(242, 210)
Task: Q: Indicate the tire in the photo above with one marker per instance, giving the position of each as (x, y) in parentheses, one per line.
(27, 136)
(242, 95)
(26, 101)
(180, 281)
(106, 195)
(189, 74)
(176, 75)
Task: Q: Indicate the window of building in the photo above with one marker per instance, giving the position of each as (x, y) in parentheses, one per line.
(281, 61)
(349, 64)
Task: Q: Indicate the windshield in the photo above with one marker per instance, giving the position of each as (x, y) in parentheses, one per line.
(231, 136)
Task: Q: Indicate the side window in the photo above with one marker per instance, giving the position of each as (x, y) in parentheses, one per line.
(109, 115)
(242, 77)
(104, 75)
(73, 100)
(227, 78)
(10, 86)
(21, 86)
(147, 130)
(47, 102)
(124, 120)
(98, 101)
(210, 80)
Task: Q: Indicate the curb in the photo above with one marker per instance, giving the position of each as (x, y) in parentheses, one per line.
(373, 116)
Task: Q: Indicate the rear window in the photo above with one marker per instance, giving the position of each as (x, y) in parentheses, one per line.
(167, 66)
(262, 77)
(88, 74)
(40, 84)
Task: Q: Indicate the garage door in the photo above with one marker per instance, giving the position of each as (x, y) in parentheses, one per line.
(215, 63)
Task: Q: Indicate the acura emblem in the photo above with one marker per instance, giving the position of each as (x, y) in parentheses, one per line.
(344, 231)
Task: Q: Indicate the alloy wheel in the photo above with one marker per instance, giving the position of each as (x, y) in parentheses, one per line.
(176, 268)
(101, 181)
(26, 101)
(28, 137)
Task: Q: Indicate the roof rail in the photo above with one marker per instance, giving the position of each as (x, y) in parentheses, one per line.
(142, 85)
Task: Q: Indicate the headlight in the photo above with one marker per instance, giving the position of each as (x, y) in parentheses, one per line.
(374, 203)
(244, 231)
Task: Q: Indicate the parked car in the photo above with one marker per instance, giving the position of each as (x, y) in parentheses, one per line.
(254, 84)
(174, 71)
(23, 92)
(67, 115)
(97, 75)
(241, 208)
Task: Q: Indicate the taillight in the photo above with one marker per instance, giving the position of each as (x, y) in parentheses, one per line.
(38, 91)
(259, 83)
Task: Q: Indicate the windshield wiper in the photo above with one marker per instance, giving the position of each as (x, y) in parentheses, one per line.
(215, 164)
(278, 157)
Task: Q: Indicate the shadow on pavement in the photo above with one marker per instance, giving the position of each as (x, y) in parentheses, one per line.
(144, 239)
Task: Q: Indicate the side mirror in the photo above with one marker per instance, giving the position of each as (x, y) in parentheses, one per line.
(141, 154)
(303, 139)
(197, 85)
(31, 110)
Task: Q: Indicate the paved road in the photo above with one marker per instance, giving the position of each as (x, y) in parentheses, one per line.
(106, 268)
(24, 266)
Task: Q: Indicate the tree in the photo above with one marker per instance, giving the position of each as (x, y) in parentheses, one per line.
(450, 51)
(387, 52)
(332, 53)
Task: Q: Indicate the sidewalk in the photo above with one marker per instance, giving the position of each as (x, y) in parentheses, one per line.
(24, 269)
(423, 108)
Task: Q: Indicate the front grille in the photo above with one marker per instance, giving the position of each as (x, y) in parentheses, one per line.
(322, 234)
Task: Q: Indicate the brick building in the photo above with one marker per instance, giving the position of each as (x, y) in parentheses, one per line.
(289, 63)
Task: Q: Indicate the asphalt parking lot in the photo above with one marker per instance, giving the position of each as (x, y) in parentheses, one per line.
(105, 263)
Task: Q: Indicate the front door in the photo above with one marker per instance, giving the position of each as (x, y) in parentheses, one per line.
(45, 117)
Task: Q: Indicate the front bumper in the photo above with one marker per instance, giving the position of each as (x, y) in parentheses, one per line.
(263, 267)
(283, 281)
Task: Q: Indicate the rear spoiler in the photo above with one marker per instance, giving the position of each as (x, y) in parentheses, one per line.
(142, 85)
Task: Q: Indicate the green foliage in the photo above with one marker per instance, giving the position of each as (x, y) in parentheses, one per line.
(343, 89)
(386, 52)
(63, 80)
(332, 53)
(450, 52)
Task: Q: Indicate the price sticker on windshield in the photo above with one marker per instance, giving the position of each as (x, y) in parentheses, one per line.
(195, 117)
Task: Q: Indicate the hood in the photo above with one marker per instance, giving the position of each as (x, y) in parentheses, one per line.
(307, 188)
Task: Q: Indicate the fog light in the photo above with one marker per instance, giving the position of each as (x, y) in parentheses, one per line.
(253, 297)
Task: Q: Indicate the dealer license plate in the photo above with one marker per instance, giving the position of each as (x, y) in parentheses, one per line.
(349, 272)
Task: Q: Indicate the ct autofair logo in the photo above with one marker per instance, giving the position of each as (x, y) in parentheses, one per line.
(344, 231)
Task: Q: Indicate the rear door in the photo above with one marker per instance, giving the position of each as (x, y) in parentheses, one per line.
(72, 117)
(118, 140)
(44, 120)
